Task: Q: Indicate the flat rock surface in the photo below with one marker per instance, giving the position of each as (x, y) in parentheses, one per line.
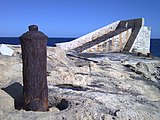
(100, 86)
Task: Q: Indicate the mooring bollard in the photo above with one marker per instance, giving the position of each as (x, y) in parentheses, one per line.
(34, 57)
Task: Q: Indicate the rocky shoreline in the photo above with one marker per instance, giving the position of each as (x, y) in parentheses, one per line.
(99, 86)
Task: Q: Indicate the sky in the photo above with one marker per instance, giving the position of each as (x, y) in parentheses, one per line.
(74, 18)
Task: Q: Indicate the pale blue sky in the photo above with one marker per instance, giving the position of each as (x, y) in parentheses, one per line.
(74, 18)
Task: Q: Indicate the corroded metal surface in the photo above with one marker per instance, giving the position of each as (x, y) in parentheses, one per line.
(34, 56)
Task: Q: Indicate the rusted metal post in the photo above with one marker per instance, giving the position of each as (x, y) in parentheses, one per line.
(34, 57)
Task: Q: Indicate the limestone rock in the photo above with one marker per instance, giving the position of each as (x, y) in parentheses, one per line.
(117, 86)
(59, 54)
(11, 70)
(6, 101)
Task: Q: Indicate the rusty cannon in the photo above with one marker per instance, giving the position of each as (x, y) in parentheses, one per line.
(34, 58)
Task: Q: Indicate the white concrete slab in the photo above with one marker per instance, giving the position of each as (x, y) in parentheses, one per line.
(5, 50)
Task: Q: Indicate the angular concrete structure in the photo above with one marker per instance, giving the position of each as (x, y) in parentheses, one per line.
(127, 35)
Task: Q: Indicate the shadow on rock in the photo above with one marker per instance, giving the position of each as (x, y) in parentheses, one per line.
(15, 90)
(72, 87)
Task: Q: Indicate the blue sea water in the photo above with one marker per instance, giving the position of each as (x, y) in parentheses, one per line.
(154, 47)
(15, 40)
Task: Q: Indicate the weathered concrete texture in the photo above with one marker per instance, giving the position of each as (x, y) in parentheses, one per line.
(89, 37)
(142, 42)
(114, 44)
(126, 35)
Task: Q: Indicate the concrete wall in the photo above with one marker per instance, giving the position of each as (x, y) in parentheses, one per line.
(88, 37)
(114, 44)
(142, 41)
(127, 35)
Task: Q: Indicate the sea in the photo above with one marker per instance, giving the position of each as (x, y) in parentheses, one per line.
(154, 43)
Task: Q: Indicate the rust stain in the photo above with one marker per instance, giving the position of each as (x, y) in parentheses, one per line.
(90, 50)
(112, 44)
(98, 48)
(120, 41)
(127, 35)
